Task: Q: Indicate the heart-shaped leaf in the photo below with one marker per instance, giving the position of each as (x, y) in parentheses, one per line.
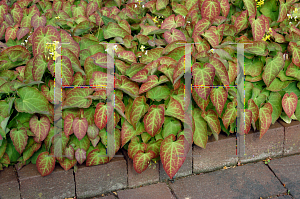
(19, 138)
(154, 119)
(289, 103)
(80, 155)
(80, 127)
(45, 163)
(40, 127)
(139, 109)
(141, 160)
(265, 118)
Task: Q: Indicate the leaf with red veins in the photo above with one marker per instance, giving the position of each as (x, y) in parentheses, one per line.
(139, 109)
(45, 163)
(295, 50)
(80, 127)
(152, 82)
(126, 85)
(68, 125)
(210, 9)
(173, 22)
(199, 101)
(11, 32)
(40, 127)
(218, 97)
(250, 7)
(230, 114)
(200, 136)
(96, 157)
(225, 7)
(175, 109)
(129, 132)
(91, 8)
(241, 22)
(69, 152)
(248, 119)
(272, 68)
(67, 164)
(254, 109)
(168, 70)
(17, 13)
(232, 71)
(80, 155)
(179, 69)
(203, 76)
(173, 154)
(134, 146)
(141, 160)
(22, 32)
(38, 21)
(211, 36)
(127, 56)
(100, 116)
(174, 35)
(265, 118)
(19, 138)
(289, 103)
(220, 70)
(211, 118)
(141, 76)
(201, 26)
(283, 10)
(154, 119)
(258, 27)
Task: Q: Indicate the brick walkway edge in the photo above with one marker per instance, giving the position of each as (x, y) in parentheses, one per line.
(280, 140)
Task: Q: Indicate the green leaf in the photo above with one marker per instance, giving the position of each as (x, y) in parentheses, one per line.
(158, 93)
(275, 101)
(200, 136)
(154, 119)
(171, 126)
(19, 138)
(96, 157)
(272, 68)
(289, 103)
(265, 118)
(141, 160)
(45, 163)
(139, 109)
(31, 101)
(114, 30)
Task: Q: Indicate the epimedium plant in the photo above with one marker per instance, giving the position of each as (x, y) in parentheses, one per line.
(149, 69)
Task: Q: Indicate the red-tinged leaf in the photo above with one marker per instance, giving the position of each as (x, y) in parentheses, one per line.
(96, 157)
(127, 56)
(211, 36)
(257, 47)
(99, 79)
(68, 125)
(152, 82)
(293, 71)
(241, 22)
(95, 141)
(17, 13)
(202, 44)
(145, 30)
(91, 8)
(168, 70)
(80, 155)
(258, 27)
(5, 159)
(129, 132)
(289, 103)
(45, 163)
(248, 119)
(218, 97)
(135, 146)
(77, 97)
(141, 76)
(230, 114)
(154, 119)
(225, 7)
(19, 138)
(254, 109)
(173, 22)
(69, 152)
(100, 116)
(11, 32)
(265, 118)
(272, 68)
(92, 131)
(151, 55)
(40, 127)
(203, 76)
(295, 49)
(220, 70)
(126, 85)
(67, 164)
(173, 154)
(29, 152)
(72, 45)
(250, 7)
(114, 30)
(211, 118)
(141, 160)
(232, 71)
(39, 66)
(120, 106)
(22, 32)
(152, 66)
(38, 21)
(283, 10)
(199, 101)
(200, 136)
(179, 70)
(174, 35)
(78, 10)
(210, 9)
(43, 35)
(80, 127)
(139, 109)
(175, 109)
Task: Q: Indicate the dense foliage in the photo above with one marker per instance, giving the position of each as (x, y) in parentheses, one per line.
(149, 76)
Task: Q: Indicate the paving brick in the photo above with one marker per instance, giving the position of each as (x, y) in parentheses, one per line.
(284, 197)
(105, 197)
(247, 182)
(216, 155)
(58, 184)
(157, 191)
(291, 137)
(9, 186)
(96, 180)
(185, 170)
(150, 175)
(270, 145)
(287, 170)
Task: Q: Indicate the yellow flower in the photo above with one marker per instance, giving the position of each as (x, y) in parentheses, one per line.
(142, 48)
(270, 30)
(268, 37)
(296, 10)
(155, 19)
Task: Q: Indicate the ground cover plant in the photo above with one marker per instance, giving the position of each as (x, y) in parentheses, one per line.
(149, 76)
